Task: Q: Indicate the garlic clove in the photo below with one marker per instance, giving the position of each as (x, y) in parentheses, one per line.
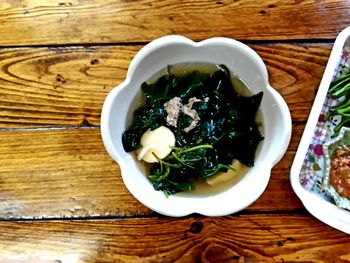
(156, 142)
(147, 153)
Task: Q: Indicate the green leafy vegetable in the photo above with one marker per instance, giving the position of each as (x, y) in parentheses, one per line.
(226, 129)
(340, 88)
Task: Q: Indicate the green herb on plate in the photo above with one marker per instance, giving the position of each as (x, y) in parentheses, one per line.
(340, 89)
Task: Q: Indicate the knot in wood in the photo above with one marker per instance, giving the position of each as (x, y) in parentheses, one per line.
(196, 227)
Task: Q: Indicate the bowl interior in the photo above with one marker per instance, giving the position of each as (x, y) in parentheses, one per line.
(241, 60)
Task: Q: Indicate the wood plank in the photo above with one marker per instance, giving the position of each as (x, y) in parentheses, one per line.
(58, 86)
(66, 86)
(43, 22)
(245, 238)
(66, 173)
(60, 173)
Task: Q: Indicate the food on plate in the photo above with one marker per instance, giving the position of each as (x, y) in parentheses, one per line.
(340, 171)
(340, 89)
(197, 123)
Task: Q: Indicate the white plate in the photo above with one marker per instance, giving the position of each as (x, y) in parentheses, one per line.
(308, 166)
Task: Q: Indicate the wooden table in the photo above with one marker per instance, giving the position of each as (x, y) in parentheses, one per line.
(62, 198)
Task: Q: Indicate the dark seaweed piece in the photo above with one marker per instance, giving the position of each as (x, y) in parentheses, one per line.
(131, 139)
(192, 83)
(246, 138)
(164, 89)
(243, 109)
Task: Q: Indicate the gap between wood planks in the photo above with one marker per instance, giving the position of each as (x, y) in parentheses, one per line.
(51, 128)
(248, 42)
(301, 211)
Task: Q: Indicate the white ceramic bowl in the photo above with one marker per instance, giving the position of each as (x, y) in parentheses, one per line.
(239, 58)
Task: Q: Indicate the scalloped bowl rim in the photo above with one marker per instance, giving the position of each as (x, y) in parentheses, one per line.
(213, 48)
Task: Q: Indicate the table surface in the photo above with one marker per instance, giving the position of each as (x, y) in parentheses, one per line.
(62, 198)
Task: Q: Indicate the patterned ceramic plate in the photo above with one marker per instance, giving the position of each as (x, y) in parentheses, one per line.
(308, 168)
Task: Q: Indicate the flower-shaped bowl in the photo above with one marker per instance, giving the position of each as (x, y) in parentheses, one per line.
(124, 99)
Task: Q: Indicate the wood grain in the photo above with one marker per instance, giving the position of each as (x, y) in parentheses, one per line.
(62, 198)
(66, 86)
(51, 87)
(66, 173)
(43, 22)
(245, 238)
(60, 173)
(58, 86)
